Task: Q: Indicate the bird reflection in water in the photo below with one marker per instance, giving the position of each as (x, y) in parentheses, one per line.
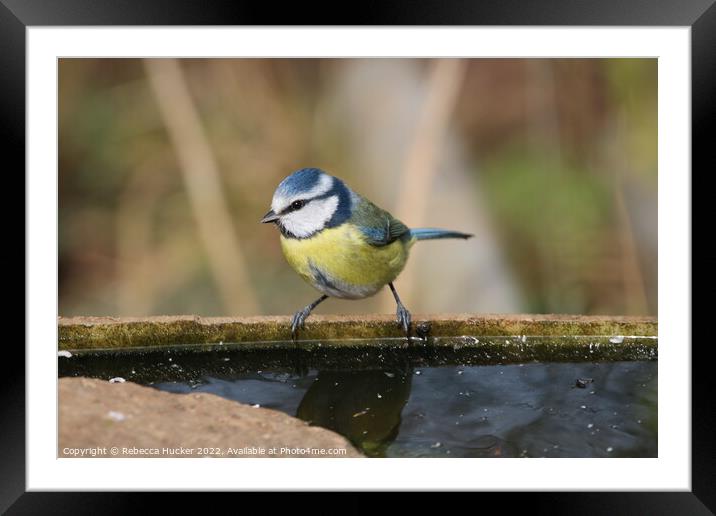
(363, 406)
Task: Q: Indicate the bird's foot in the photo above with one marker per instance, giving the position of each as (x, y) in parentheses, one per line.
(298, 322)
(300, 317)
(422, 330)
(404, 320)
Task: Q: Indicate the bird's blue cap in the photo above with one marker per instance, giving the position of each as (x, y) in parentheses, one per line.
(300, 181)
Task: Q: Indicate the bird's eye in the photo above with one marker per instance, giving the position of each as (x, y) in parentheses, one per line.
(297, 205)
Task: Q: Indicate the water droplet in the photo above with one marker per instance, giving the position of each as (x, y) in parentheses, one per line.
(590, 425)
(379, 396)
(64, 353)
(610, 449)
(436, 445)
(418, 372)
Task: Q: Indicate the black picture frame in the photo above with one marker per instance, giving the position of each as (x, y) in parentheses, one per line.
(700, 15)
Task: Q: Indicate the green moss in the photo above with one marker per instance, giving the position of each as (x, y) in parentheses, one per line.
(332, 331)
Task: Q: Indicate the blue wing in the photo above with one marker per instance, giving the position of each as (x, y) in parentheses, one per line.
(377, 225)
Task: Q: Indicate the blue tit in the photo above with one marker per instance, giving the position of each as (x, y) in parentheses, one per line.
(340, 242)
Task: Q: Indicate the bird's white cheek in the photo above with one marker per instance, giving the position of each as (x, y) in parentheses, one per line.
(311, 218)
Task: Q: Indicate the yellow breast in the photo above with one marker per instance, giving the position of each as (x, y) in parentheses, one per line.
(339, 262)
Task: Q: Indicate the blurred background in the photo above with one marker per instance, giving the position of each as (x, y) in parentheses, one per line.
(166, 167)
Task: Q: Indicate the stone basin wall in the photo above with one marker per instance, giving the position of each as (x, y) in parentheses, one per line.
(100, 419)
(78, 333)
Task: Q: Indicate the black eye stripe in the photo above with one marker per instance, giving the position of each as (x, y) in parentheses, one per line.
(295, 205)
(302, 202)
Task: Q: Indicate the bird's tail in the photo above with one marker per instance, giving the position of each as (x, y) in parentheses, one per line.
(434, 233)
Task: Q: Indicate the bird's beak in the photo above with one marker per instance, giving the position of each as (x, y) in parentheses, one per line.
(269, 217)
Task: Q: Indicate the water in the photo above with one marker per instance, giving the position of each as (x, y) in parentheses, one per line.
(422, 402)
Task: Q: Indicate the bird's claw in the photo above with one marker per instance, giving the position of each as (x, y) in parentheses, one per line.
(300, 317)
(404, 320)
(298, 322)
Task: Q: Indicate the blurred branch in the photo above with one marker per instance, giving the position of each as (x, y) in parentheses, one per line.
(137, 281)
(543, 124)
(543, 137)
(632, 278)
(203, 185)
(420, 168)
(631, 269)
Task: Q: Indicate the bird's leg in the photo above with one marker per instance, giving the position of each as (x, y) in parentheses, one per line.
(300, 316)
(402, 312)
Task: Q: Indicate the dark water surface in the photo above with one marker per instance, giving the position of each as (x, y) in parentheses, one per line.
(424, 403)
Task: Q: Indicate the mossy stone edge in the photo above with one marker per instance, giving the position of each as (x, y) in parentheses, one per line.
(86, 333)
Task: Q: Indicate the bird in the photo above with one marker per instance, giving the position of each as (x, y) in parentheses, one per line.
(340, 242)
